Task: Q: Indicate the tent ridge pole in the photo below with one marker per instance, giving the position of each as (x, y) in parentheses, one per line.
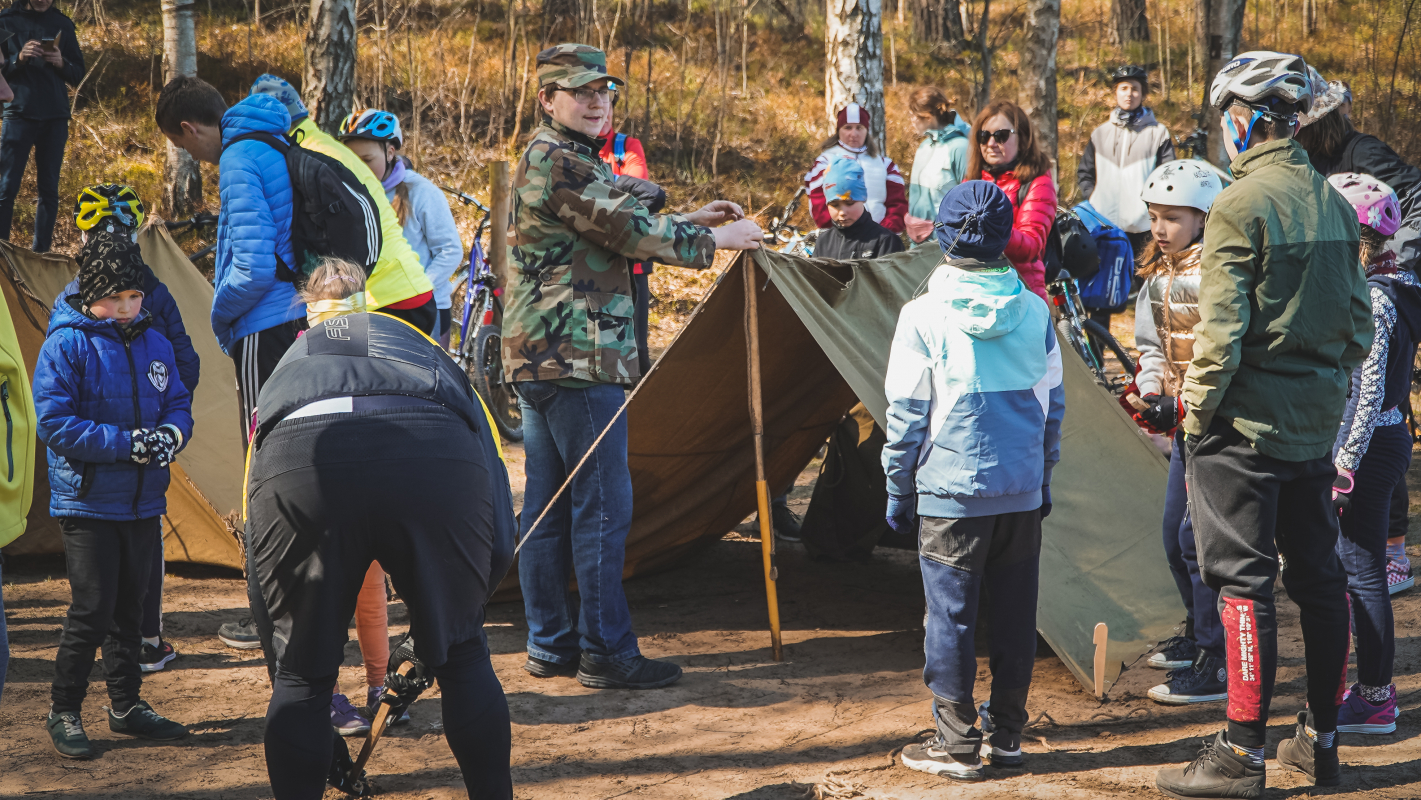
(757, 423)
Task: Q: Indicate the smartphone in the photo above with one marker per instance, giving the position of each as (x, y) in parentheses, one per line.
(47, 44)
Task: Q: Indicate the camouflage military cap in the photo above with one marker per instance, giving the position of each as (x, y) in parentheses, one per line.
(573, 65)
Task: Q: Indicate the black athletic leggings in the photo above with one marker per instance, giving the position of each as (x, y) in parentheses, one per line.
(299, 736)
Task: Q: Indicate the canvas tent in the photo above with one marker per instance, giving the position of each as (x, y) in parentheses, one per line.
(205, 493)
(825, 330)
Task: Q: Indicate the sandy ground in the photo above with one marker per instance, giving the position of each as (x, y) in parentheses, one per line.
(738, 725)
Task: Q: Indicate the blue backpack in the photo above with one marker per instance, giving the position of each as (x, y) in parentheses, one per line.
(1110, 287)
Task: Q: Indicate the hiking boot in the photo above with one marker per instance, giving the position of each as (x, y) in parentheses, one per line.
(145, 723)
(67, 734)
(345, 719)
(1220, 770)
(241, 635)
(786, 524)
(1176, 652)
(372, 705)
(637, 672)
(1206, 681)
(930, 757)
(1304, 754)
(1398, 574)
(1356, 715)
(542, 668)
(152, 659)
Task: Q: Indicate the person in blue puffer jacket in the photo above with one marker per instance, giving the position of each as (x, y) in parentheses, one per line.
(113, 412)
(975, 403)
(117, 209)
(255, 314)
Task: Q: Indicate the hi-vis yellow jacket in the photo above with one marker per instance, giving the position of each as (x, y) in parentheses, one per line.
(17, 436)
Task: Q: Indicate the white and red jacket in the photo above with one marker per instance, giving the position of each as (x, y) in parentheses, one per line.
(887, 191)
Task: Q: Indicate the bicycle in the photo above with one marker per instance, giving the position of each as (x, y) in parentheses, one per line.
(201, 220)
(1085, 335)
(481, 355)
(791, 240)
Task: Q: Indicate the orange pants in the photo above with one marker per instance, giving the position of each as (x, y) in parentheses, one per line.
(372, 626)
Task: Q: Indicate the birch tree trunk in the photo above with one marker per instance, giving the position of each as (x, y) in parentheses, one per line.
(1221, 33)
(853, 61)
(329, 83)
(182, 180)
(1042, 26)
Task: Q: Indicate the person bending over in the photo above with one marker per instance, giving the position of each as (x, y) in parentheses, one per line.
(429, 501)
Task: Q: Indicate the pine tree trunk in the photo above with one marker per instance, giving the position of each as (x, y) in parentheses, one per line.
(329, 83)
(853, 60)
(937, 21)
(1128, 22)
(182, 180)
(1038, 71)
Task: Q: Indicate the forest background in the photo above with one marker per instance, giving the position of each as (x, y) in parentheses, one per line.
(727, 96)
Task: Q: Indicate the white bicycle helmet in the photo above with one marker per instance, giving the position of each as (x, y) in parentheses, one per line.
(1256, 76)
(1183, 182)
(1374, 201)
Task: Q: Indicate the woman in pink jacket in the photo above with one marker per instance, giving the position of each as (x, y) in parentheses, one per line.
(1007, 155)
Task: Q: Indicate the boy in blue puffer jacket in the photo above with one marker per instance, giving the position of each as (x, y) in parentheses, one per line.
(975, 404)
(113, 412)
(255, 314)
(117, 209)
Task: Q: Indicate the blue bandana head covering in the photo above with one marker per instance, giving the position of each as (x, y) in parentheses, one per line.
(279, 88)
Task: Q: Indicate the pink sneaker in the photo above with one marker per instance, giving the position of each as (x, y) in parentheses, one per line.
(1398, 575)
(1356, 715)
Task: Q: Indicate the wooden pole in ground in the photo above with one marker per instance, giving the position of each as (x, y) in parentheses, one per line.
(500, 196)
(757, 424)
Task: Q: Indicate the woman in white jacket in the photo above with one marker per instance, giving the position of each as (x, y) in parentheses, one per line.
(429, 227)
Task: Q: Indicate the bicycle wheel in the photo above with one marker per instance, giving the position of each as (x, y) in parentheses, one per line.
(486, 373)
(1077, 341)
(1097, 333)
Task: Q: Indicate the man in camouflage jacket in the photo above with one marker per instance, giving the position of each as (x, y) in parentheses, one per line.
(569, 349)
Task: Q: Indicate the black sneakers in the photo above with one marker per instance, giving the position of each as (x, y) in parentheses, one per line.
(240, 635)
(152, 659)
(67, 734)
(542, 668)
(1206, 681)
(145, 723)
(1220, 770)
(1176, 652)
(785, 523)
(637, 672)
(930, 757)
(1302, 753)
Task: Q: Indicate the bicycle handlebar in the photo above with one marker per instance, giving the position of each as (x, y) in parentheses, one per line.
(466, 199)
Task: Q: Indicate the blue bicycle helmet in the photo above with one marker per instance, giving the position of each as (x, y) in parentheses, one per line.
(372, 124)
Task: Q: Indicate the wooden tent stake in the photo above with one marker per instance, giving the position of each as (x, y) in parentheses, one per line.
(1102, 638)
(757, 422)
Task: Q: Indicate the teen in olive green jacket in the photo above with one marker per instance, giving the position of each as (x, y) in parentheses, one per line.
(1258, 361)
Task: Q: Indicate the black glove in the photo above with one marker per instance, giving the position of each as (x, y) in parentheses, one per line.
(1163, 412)
(1342, 492)
(1045, 501)
(646, 192)
(153, 446)
(139, 449)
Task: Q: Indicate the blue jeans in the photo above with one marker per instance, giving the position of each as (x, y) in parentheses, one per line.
(962, 559)
(1200, 602)
(47, 138)
(584, 535)
(1362, 548)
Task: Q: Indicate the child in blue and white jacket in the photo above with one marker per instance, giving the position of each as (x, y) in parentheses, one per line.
(975, 404)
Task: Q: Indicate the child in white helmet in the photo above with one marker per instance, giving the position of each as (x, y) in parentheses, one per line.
(1178, 196)
(1373, 453)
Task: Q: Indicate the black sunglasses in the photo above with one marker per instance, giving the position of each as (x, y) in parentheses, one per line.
(1001, 136)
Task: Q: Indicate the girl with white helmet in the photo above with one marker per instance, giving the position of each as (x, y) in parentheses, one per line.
(424, 213)
(1178, 196)
(1373, 452)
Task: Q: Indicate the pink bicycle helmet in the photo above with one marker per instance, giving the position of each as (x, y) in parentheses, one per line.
(1375, 202)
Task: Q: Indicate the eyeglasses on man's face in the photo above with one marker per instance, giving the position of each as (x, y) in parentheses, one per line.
(584, 95)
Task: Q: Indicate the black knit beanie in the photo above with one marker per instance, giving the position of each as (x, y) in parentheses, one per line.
(109, 263)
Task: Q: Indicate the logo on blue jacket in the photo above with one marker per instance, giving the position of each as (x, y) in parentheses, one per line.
(158, 375)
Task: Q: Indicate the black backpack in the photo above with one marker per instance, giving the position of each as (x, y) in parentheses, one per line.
(1069, 245)
(332, 212)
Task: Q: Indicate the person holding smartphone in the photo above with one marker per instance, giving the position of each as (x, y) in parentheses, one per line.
(41, 54)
